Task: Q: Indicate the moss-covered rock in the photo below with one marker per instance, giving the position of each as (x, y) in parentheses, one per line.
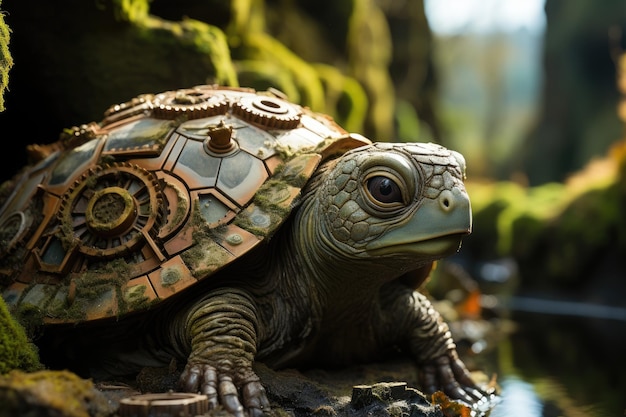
(16, 351)
(51, 393)
(6, 61)
(558, 232)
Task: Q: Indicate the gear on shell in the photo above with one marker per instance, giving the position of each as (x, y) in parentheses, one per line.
(267, 111)
(190, 103)
(111, 209)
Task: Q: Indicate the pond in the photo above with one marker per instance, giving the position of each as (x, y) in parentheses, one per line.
(563, 359)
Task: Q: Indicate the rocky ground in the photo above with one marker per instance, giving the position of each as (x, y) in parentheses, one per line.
(381, 389)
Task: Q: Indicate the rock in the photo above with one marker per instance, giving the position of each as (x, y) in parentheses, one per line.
(51, 394)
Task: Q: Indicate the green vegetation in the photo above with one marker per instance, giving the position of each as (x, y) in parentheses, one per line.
(51, 393)
(6, 61)
(556, 230)
(16, 351)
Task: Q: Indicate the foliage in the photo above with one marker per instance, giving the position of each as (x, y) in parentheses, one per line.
(6, 61)
(16, 352)
(51, 393)
(555, 230)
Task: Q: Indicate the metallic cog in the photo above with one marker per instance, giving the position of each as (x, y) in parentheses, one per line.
(137, 105)
(267, 111)
(111, 210)
(194, 103)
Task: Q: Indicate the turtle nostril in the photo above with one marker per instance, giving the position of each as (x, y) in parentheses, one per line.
(446, 200)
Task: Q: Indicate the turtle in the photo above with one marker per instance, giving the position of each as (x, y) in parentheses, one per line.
(219, 226)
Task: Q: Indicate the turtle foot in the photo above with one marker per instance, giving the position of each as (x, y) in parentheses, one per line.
(240, 396)
(449, 374)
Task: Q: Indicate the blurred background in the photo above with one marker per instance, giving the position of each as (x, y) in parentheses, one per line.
(532, 92)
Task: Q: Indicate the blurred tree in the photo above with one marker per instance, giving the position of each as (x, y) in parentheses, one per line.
(578, 118)
(412, 69)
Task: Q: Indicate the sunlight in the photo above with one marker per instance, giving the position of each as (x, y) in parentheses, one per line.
(451, 17)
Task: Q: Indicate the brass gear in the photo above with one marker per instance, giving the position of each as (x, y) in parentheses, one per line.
(267, 111)
(194, 103)
(111, 210)
(138, 105)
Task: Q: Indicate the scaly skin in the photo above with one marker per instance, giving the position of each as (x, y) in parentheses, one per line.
(332, 274)
(223, 333)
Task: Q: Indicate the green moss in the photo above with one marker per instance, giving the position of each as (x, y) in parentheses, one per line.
(271, 196)
(127, 52)
(497, 206)
(131, 10)
(345, 98)
(211, 42)
(286, 151)
(264, 48)
(261, 75)
(16, 351)
(91, 285)
(585, 229)
(245, 220)
(269, 209)
(135, 298)
(201, 227)
(205, 257)
(274, 200)
(6, 61)
(51, 393)
(65, 234)
(557, 231)
(181, 207)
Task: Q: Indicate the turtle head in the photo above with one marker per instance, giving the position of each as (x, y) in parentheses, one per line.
(402, 202)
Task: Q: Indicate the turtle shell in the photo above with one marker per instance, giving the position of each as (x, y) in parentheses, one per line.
(166, 190)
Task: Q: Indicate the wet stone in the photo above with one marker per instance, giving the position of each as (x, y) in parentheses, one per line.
(391, 399)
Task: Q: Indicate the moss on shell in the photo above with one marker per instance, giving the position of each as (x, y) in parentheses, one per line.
(91, 285)
(206, 255)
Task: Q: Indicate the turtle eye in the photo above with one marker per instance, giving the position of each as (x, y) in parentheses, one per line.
(384, 190)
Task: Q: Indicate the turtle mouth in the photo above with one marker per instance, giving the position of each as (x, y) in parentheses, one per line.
(437, 246)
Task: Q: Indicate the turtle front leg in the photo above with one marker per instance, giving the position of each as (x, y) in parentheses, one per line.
(416, 321)
(222, 333)
(440, 366)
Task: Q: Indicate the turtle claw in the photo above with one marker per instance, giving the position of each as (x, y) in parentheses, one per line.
(449, 374)
(220, 389)
(229, 397)
(255, 399)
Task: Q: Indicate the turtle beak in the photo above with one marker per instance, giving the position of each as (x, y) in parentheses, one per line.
(435, 229)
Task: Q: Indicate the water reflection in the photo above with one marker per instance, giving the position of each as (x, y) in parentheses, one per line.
(555, 366)
(518, 400)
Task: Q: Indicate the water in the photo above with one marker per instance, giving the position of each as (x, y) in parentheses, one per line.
(561, 362)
